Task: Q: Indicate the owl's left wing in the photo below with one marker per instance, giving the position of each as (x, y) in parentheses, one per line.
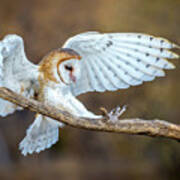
(114, 61)
(16, 71)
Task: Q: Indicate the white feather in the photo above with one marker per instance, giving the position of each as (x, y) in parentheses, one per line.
(139, 64)
(126, 65)
(109, 62)
(158, 52)
(42, 134)
(93, 78)
(101, 74)
(146, 57)
(16, 71)
(133, 57)
(143, 39)
(110, 74)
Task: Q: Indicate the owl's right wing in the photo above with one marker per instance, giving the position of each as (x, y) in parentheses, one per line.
(16, 71)
(112, 61)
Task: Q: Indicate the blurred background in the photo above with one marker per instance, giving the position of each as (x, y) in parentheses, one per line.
(82, 154)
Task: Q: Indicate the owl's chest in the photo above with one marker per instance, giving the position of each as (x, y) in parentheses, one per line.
(58, 97)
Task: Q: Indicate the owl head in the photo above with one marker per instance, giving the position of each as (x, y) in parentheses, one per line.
(61, 66)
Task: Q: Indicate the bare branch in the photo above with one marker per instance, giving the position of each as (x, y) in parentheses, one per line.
(129, 126)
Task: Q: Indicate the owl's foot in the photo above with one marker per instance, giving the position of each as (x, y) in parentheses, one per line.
(114, 114)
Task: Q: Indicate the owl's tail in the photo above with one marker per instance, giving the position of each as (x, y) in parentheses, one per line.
(42, 134)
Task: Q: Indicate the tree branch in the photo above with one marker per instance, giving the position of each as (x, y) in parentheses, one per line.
(129, 126)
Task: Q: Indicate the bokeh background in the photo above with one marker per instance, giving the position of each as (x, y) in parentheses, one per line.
(82, 154)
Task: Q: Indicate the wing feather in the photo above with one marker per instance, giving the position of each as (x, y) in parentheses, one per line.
(112, 75)
(118, 60)
(146, 57)
(158, 52)
(122, 72)
(95, 79)
(103, 74)
(133, 71)
(16, 71)
(143, 39)
(139, 63)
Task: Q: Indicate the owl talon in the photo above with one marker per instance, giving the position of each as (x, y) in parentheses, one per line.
(114, 115)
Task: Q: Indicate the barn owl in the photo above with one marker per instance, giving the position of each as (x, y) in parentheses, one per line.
(90, 61)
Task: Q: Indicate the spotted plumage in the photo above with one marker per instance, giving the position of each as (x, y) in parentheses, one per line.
(87, 62)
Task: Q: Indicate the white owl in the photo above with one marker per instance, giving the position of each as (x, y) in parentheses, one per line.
(89, 61)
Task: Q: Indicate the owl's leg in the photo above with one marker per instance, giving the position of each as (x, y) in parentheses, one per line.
(42, 134)
(81, 110)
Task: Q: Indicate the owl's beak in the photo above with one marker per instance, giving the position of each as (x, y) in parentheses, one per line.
(54, 59)
(73, 78)
(67, 54)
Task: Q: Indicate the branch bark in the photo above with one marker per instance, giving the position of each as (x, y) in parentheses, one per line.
(135, 126)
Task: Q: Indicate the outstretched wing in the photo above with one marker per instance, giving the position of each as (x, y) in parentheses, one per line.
(119, 60)
(16, 71)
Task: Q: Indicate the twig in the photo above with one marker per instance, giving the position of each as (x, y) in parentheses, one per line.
(129, 126)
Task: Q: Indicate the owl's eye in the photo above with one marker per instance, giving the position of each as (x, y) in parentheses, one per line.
(68, 67)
